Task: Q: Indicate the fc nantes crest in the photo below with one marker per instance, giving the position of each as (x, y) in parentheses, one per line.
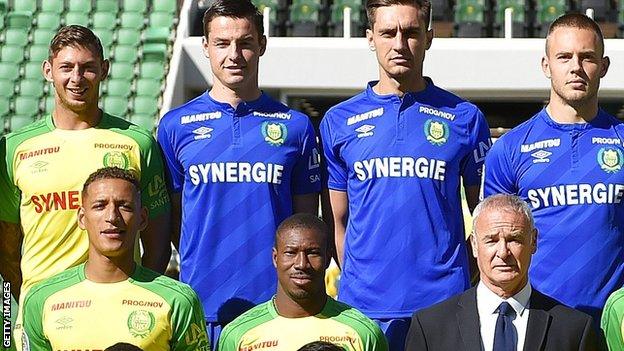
(274, 133)
(437, 132)
(610, 159)
(116, 159)
(141, 323)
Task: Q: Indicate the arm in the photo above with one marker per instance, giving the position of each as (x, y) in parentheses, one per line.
(339, 203)
(611, 323)
(35, 338)
(10, 255)
(176, 219)
(157, 243)
(189, 325)
(472, 198)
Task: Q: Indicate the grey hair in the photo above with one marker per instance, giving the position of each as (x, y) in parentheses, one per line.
(511, 203)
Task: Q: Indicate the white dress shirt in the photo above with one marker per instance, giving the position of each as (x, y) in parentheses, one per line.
(487, 306)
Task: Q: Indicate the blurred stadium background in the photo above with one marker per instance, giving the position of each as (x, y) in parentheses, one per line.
(487, 51)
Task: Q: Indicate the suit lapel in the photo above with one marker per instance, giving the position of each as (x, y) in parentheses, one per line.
(538, 323)
(468, 320)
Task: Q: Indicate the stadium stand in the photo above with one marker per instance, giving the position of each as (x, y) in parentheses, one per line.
(136, 34)
(470, 18)
(547, 12)
(305, 18)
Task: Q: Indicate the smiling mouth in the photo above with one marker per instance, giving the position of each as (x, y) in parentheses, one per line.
(77, 91)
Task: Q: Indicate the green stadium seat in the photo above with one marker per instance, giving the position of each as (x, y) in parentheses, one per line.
(25, 5)
(272, 4)
(19, 19)
(518, 17)
(115, 105)
(38, 53)
(123, 53)
(156, 35)
(145, 105)
(9, 71)
(12, 54)
(168, 6)
(161, 19)
(2, 16)
(148, 87)
(469, 18)
(547, 12)
(129, 37)
(144, 121)
(5, 105)
(110, 6)
(304, 18)
(26, 105)
(104, 20)
(49, 104)
(132, 20)
(106, 36)
(80, 18)
(81, 6)
(32, 70)
(42, 36)
(119, 87)
(31, 88)
(122, 70)
(48, 20)
(155, 52)
(16, 37)
(17, 122)
(7, 87)
(152, 70)
(337, 10)
(53, 6)
(137, 6)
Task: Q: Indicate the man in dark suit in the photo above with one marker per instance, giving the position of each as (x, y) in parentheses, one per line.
(502, 312)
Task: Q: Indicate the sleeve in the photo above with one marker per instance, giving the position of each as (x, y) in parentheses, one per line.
(9, 193)
(497, 171)
(306, 173)
(377, 341)
(33, 336)
(189, 325)
(611, 325)
(174, 169)
(227, 340)
(337, 172)
(472, 164)
(153, 190)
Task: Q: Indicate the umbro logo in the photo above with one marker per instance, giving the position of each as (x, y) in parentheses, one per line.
(365, 131)
(203, 133)
(541, 156)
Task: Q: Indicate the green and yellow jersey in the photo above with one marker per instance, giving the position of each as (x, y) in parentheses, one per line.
(262, 328)
(612, 322)
(149, 310)
(43, 171)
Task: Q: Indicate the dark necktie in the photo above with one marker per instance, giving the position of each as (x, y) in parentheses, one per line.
(504, 339)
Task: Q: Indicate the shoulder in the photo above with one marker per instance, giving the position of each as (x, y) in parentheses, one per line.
(351, 317)
(169, 289)
(248, 320)
(174, 117)
(275, 111)
(615, 300)
(344, 109)
(32, 130)
(446, 307)
(47, 287)
(558, 310)
(119, 125)
(442, 98)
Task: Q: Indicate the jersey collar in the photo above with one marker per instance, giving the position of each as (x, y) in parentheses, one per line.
(598, 121)
(389, 98)
(244, 108)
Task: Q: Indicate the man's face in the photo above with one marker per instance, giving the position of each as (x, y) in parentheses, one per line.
(400, 39)
(234, 47)
(574, 63)
(111, 213)
(300, 257)
(503, 243)
(76, 73)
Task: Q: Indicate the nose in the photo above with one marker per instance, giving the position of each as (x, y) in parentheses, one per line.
(399, 42)
(235, 52)
(112, 214)
(576, 64)
(301, 261)
(76, 74)
(502, 251)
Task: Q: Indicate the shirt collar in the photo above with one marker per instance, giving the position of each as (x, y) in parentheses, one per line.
(488, 301)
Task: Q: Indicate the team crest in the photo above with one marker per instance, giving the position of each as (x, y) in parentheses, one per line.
(437, 132)
(141, 323)
(116, 159)
(610, 159)
(274, 133)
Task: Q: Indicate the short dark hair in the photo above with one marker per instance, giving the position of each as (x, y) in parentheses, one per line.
(123, 346)
(234, 9)
(320, 346)
(111, 173)
(303, 221)
(423, 5)
(580, 21)
(76, 36)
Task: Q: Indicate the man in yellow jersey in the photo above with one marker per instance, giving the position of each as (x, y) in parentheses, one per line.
(111, 298)
(301, 312)
(43, 167)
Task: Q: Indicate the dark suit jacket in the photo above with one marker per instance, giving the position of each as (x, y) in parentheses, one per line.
(454, 325)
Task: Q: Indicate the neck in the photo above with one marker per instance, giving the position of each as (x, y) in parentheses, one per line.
(289, 308)
(505, 291)
(399, 86)
(234, 97)
(103, 269)
(562, 112)
(65, 118)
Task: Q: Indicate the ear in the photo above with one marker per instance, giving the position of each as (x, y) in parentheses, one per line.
(144, 220)
(605, 66)
(81, 215)
(473, 244)
(274, 254)
(263, 44)
(205, 47)
(369, 38)
(546, 66)
(429, 38)
(534, 240)
(105, 68)
(46, 69)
